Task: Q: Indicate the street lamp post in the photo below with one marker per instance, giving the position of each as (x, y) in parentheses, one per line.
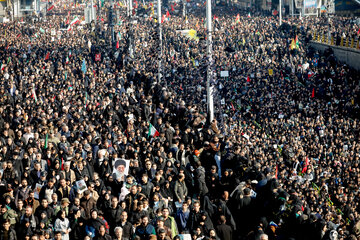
(209, 87)
(160, 38)
(280, 13)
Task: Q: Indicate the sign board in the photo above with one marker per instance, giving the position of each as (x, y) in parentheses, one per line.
(224, 74)
(310, 7)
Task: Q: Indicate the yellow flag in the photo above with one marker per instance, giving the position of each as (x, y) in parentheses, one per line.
(193, 61)
(270, 72)
(293, 45)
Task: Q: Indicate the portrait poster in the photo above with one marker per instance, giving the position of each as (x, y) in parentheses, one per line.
(81, 186)
(120, 169)
(37, 190)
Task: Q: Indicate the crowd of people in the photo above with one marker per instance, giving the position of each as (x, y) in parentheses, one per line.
(279, 161)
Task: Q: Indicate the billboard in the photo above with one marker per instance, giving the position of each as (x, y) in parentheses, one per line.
(310, 7)
(346, 6)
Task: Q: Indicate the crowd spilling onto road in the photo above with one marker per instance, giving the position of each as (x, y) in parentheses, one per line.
(280, 160)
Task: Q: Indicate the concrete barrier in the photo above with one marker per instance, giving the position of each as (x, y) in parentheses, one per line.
(350, 56)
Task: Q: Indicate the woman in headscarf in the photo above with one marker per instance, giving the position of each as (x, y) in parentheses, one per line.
(93, 224)
(62, 225)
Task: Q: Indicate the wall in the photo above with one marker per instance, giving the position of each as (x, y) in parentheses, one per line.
(350, 56)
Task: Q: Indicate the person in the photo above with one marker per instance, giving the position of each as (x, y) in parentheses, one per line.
(102, 234)
(223, 230)
(62, 225)
(180, 189)
(182, 218)
(118, 233)
(283, 141)
(169, 222)
(7, 232)
(44, 207)
(127, 227)
(113, 213)
(57, 235)
(93, 224)
(145, 229)
(87, 203)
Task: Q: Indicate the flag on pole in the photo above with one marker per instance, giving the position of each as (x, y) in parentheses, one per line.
(51, 7)
(2, 67)
(307, 162)
(68, 18)
(86, 98)
(83, 66)
(33, 95)
(46, 141)
(47, 56)
(296, 42)
(232, 107)
(152, 131)
(237, 20)
(74, 21)
(67, 60)
(292, 45)
(249, 15)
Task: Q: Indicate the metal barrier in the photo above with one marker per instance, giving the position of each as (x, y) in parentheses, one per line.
(348, 42)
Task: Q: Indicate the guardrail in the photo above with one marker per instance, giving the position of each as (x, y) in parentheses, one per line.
(348, 42)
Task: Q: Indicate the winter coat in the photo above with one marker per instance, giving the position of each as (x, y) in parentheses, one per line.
(63, 225)
(180, 190)
(11, 234)
(200, 184)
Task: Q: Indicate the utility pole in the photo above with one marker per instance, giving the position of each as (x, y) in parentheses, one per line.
(280, 14)
(131, 51)
(111, 21)
(92, 12)
(184, 9)
(209, 86)
(160, 39)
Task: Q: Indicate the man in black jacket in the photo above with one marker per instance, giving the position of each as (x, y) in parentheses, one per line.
(7, 232)
(126, 226)
(224, 231)
(113, 213)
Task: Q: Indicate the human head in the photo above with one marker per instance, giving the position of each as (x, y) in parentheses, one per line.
(118, 232)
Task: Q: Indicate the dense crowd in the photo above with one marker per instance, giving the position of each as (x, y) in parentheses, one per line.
(280, 160)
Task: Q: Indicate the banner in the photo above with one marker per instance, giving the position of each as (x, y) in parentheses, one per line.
(310, 7)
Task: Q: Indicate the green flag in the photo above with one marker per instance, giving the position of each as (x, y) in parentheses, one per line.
(46, 141)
